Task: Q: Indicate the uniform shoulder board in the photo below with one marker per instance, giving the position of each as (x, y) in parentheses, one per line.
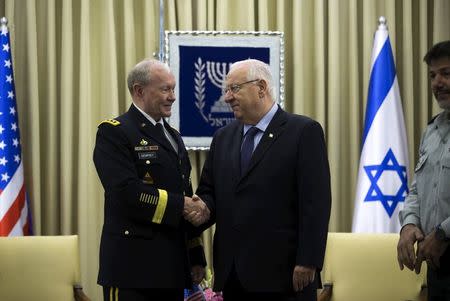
(110, 121)
(432, 119)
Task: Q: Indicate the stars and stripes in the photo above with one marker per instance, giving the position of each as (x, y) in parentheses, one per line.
(382, 177)
(14, 211)
(194, 294)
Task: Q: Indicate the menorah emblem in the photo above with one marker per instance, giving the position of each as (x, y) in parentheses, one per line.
(217, 72)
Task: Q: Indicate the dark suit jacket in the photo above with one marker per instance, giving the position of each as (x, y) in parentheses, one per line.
(144, 238)
(275, 215)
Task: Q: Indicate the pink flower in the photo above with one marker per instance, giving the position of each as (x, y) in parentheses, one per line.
(212, 296)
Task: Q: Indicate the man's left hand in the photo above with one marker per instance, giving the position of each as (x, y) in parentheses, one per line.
(302, 277)
(197, 273)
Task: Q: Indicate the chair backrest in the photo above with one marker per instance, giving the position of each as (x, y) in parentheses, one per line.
(39, 268)
(364, 267)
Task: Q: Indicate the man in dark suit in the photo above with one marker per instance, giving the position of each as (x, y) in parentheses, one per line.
(147, 249)
(272, 207)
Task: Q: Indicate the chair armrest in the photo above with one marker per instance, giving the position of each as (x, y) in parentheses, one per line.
(423, 296)
(325, 294)
(79, 294)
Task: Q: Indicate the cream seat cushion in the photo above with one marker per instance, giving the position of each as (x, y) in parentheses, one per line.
(39, 268)
(364, 267)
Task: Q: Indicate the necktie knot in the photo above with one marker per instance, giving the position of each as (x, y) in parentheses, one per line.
(247, 148)
(159, 126)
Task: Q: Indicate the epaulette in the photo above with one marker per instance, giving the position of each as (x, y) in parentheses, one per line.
(432, 119)
(110, 121)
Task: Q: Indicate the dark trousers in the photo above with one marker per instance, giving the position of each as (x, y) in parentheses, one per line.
(146, 294)
(438, 281)
(233, 291)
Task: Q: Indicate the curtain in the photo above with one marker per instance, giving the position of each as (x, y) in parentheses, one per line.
(71, 58)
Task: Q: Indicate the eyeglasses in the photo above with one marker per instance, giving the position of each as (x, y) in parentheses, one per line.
(234, 88)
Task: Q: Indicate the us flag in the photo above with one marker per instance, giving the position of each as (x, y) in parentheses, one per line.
(194, 294)
(14, 211)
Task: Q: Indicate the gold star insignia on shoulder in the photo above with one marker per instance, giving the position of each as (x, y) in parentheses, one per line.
(111, 122)
(143, 142)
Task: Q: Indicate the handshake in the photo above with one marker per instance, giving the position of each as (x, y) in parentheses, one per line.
(195, 210)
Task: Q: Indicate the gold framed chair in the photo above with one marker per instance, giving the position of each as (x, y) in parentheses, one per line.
(40, 268)
(364, 267)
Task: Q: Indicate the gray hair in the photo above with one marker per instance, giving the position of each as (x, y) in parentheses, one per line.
(141, 73)
(258, 70)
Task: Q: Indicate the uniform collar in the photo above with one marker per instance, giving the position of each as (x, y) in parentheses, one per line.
(150, 118)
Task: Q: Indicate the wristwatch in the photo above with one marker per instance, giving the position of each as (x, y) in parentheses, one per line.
(440, 234)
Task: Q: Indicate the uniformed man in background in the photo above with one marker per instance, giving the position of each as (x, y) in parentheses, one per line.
(425, 218)
(148, 251)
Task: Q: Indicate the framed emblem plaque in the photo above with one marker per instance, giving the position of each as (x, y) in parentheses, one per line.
(200, 61)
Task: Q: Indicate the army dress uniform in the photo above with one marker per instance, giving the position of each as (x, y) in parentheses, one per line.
(145, 241)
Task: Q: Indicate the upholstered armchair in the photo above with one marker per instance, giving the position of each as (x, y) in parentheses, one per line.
(364, 267)
(40, 268)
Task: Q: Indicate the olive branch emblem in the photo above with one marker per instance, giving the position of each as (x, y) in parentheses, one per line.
(199, 86)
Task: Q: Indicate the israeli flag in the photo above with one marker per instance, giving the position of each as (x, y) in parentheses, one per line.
(382, 176)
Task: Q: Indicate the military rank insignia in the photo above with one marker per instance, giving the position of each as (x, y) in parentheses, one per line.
(111, 122)
(147, 179)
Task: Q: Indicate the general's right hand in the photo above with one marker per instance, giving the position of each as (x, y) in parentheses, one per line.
(195, 210)
(409, 235)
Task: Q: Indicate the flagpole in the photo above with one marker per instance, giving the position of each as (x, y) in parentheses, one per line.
(161, 30)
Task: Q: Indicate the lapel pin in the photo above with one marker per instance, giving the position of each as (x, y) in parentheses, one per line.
(142, 124)
(271, 135)
(143, 142)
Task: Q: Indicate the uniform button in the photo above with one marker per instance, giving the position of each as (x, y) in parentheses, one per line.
(182, 176)
(126, 232)
(147, 162)
(434, 185)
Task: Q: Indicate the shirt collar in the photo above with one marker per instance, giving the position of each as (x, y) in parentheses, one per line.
(150, 118)
(264, 122)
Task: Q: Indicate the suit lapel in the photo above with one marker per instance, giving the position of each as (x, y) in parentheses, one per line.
(236, 152)
(177, 137)
(273, 131)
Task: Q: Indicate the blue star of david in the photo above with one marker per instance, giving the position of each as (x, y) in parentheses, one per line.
(374, 173)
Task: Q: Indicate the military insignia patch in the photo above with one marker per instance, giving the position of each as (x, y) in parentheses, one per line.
(143, 142)
(147, 179)
(146, 148)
